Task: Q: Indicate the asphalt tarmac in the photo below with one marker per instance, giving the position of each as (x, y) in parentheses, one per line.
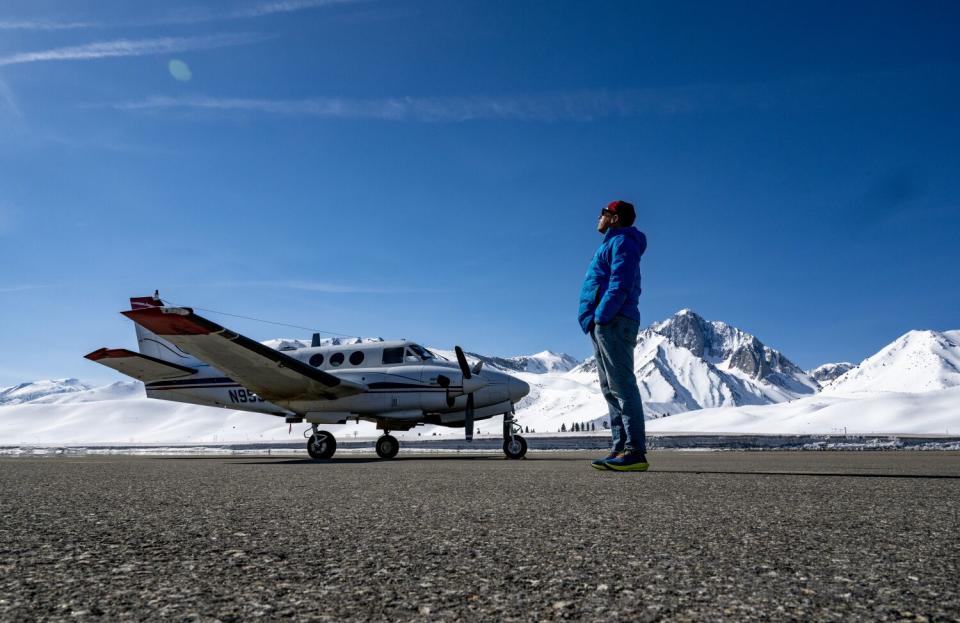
(872, 536)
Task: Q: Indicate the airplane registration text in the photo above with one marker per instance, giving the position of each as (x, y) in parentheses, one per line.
(244, 396)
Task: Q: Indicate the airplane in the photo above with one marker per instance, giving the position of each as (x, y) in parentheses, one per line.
(185, 357)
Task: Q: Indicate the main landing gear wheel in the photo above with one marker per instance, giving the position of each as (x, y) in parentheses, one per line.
(387, 447)
(515, 447)
(321, 445)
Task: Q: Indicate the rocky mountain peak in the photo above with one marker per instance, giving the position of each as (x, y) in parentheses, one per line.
(687, 329)
(829, 371)
(729, 347)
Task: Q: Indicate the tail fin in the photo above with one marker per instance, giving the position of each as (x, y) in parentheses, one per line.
(170, 373)
(151, 344)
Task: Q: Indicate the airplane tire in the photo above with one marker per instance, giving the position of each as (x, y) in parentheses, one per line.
(387, 447)
(515, 449)
(325, 449)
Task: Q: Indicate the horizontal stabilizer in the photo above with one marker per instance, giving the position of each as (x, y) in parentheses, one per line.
(268, 372)
(141, 367)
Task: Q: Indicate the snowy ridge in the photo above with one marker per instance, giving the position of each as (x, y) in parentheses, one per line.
(912, 385)
(734, 351)
(285, 344)
(829, 371)
(27, 392)
(918, 361)
(541, 363)
(686, 363)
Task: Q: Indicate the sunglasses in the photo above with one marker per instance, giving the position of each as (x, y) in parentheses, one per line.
(604, 213)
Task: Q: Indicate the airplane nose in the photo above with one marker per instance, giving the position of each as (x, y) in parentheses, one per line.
(518, 389)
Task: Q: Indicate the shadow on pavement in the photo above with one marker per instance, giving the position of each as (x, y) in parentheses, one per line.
(817, 474)
(401, 460)
(358, 460)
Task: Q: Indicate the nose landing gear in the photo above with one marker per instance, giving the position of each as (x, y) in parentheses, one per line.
(514, 446)
(321, 445)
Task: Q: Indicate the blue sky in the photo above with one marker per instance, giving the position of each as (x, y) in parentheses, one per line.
(433, 170)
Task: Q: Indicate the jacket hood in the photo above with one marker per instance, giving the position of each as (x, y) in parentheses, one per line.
(631, 232)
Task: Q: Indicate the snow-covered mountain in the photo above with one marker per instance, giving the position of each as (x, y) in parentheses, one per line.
(725, 379)
(912, 385)
(829, 371)
(683, 363)
(918, 361)
(736, 352)
(541, 363)
(28, 392)
(686, 363)
(286, 344)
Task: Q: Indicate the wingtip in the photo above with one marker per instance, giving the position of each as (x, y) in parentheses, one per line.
(109, 353)
(97, 355)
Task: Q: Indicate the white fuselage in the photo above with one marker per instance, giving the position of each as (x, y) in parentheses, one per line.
(404, 383)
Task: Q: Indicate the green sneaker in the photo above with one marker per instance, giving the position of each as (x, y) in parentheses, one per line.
(602, 463)
(629, 462)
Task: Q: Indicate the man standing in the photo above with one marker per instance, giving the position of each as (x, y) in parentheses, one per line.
(610, 314)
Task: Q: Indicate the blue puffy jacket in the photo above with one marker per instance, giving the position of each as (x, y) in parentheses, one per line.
(612, 284)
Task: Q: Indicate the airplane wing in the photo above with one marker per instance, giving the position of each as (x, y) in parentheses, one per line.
(141, 367)
(268, 372)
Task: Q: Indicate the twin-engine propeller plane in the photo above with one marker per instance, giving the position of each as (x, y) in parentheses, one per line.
(186, 358)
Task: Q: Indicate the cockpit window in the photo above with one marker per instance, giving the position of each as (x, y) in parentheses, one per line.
(422, 352)
(392, 355)
(413, 353)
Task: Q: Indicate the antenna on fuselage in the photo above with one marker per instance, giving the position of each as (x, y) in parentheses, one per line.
(316, 340)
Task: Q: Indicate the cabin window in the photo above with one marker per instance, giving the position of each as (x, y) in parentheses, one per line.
(317, 360)
(336, 359)
(356, 358)
(392, 355)
(411, 357)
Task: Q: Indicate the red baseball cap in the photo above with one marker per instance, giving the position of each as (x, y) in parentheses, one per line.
(623, 209)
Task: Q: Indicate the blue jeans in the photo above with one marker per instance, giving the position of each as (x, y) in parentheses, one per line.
(613, 344)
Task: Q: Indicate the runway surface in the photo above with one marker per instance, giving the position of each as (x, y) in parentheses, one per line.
(793, 535)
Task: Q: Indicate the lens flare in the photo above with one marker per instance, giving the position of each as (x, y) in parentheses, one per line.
(180, 70)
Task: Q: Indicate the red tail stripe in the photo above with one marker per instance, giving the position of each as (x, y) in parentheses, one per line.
(160, 323)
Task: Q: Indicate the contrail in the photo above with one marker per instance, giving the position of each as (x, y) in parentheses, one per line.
(131, 47)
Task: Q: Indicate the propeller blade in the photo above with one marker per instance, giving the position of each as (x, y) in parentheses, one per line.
(462, 360)
(468, 420)
(478, 367)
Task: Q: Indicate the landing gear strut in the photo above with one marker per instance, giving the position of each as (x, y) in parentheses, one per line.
(387, 447)
(514, 446)
(321, 445)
